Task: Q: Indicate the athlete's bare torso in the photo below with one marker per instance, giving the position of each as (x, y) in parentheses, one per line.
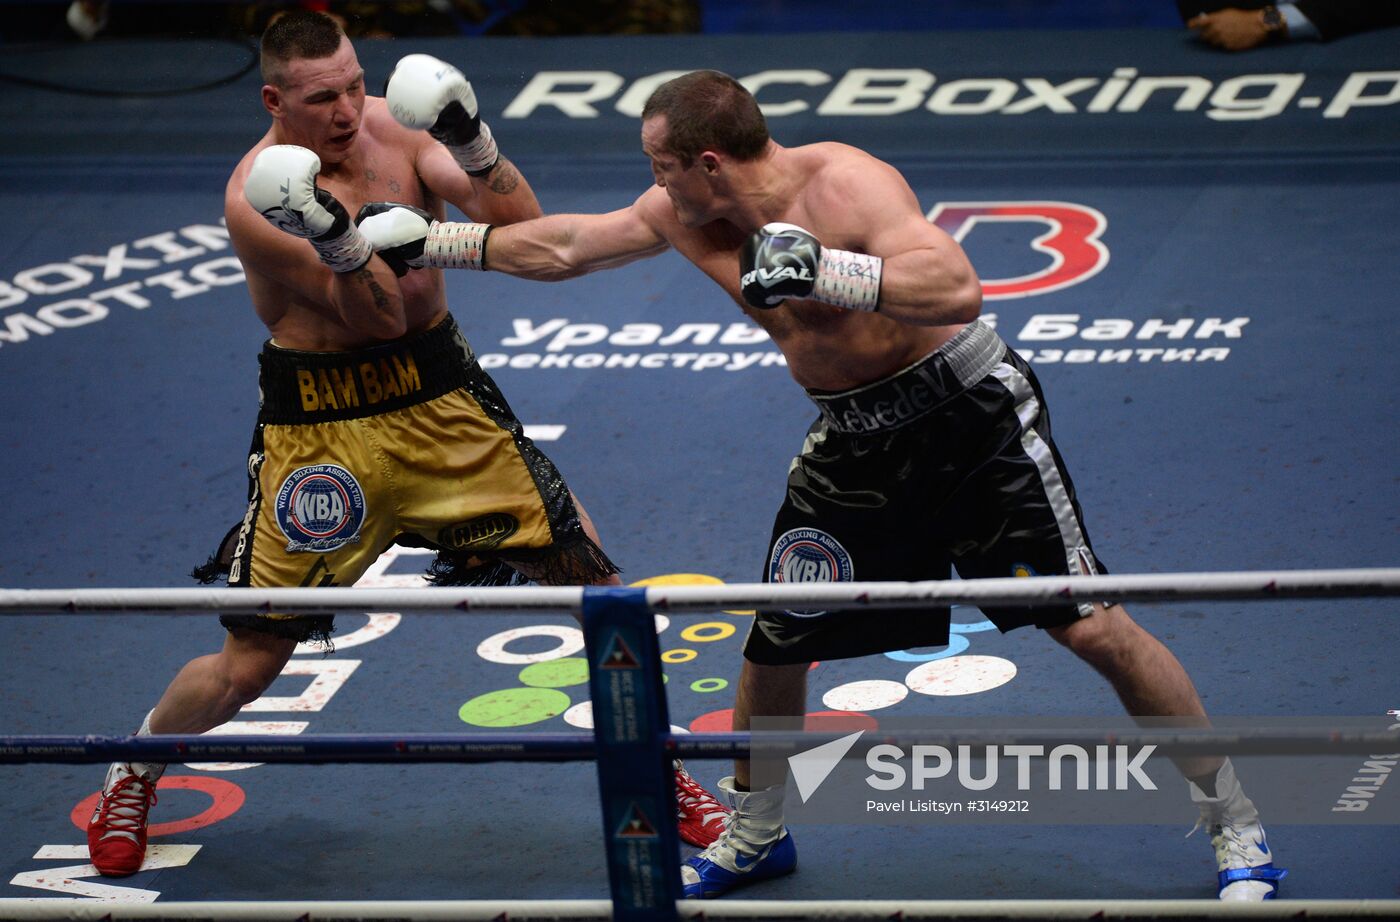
(827, 348)
(380, 168)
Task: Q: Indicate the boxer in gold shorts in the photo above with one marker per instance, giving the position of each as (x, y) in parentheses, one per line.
(376, 423)
(409, 441)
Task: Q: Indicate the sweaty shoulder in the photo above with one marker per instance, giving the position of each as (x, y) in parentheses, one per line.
(380, 125)
(846, 181)
(233, 191)
(843, 170)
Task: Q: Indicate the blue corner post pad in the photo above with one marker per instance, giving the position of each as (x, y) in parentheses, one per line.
(635, 779)
(598, 595)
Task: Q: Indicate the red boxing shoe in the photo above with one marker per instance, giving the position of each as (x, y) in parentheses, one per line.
(117, 831)
(700, 817)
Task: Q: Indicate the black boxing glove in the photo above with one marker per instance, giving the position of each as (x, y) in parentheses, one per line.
(784, 261)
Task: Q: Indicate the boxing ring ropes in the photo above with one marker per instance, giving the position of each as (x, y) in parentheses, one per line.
(633, 745)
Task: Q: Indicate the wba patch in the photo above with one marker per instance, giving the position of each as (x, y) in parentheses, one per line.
(320, 508)
(808, 555)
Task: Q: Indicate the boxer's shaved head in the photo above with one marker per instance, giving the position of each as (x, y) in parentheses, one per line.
(294, 35)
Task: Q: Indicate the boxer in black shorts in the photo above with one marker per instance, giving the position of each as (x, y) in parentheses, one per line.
(933, 449)
(948, 463)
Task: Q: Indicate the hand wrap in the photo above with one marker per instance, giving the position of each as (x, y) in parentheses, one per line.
(406, 238)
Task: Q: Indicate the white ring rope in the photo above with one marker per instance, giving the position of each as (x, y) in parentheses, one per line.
(551, 910)
(1035, 590)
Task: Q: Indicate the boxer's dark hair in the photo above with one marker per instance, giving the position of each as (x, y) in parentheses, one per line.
(297, 34)
(708, 110)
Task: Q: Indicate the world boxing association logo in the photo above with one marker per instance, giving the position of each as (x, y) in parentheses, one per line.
(809, 555)
(320, 508)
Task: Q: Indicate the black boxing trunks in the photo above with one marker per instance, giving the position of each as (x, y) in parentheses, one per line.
(408, 441)
(947, 463)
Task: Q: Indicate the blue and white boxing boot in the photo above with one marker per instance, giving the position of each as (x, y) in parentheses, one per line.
(754, 845)
(1246, 871)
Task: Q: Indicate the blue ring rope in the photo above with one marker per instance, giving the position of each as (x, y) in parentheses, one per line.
(581, 747)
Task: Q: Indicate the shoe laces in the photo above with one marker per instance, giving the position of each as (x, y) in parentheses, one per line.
(694, 799)
(731, 843)
(123, 809)
(738, 837)
(1232, 850)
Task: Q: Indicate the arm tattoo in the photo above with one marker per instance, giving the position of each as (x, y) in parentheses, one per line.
(381, 297)
(504, 178)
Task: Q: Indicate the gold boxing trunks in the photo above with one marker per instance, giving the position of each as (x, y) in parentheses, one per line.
(409, 441)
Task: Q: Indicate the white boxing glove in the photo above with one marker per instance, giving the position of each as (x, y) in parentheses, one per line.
(406, 238)
(426, 94)
(281, 187)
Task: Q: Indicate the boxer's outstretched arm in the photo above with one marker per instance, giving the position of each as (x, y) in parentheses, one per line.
(564, 246)
(548, 249)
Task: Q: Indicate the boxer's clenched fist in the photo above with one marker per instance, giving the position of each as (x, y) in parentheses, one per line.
(281, 187)
(784, 261)
(426, 94)
(406, 238)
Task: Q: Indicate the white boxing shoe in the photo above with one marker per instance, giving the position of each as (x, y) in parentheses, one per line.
(1244, 864)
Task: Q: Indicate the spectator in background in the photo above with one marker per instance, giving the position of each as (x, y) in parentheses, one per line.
(1245, 25)
(88, 17)
(404, 18)
(594, 17)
